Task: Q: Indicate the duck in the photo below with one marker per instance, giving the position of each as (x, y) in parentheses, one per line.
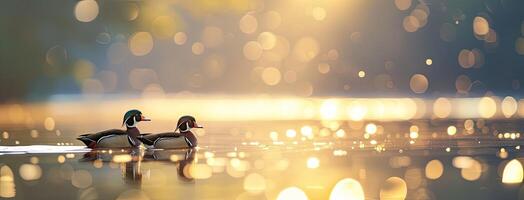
(117, 138)
(174, 140)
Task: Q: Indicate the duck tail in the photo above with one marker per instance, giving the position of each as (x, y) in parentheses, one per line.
(87, 141)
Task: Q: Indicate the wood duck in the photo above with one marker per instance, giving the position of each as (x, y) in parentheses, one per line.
(173, 140)
(116, 138)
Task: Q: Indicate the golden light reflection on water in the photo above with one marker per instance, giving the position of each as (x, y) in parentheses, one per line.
(30, 172)
(7, 184)
(513, 172)
(347, 189)
(434, 169)
(223, 108)
(294, 193)
(199, 171)
(394, 188)
(254, 183)
(122, 158)
(313, 163)
(471, 171)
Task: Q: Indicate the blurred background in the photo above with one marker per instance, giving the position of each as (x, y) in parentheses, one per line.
(383, 99)
(215, 58)
(358, 48)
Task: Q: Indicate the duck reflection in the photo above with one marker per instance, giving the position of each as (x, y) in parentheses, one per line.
(131, 160)
(180, 157)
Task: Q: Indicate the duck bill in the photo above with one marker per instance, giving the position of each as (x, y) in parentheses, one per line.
(197, 126)
(145, 119)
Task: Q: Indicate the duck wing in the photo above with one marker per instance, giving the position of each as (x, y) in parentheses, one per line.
(150, 139)
(94, 137)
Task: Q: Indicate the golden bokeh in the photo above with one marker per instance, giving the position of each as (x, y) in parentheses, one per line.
(394, 188)
(361, 74)
(141, 43)
(267, 40)
(513, 172)
(61, 159)
(294, 193)
(30, 172)
(305, 49)
(452, 130)
(471, 171)
(198, 48)
(410, 23)
(252, 50)
(248, 24)
(403, 4)
(487, 107)
(199, 171)
(313, 163)
(291, 133)
(371, 128)
(418, 83)
(49, 123)
(271, 76)
(340, 133)
(122, 158)
(254, 183)
(86, 10)
(466, 58)
(180, 38)
(307, 131)
(509, 106)
(347, 188)
(442, 107)
(323, 68)
(434, 169)
(429, 61)
(7, 182)
(480, 25)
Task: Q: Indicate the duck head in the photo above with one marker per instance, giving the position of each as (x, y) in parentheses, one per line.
(186, 123)
(132, 117)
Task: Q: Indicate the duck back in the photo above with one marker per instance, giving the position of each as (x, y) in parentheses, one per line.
(114, 141)
(171, 143)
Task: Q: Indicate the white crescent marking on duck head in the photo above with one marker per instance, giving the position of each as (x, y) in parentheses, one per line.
(132, 125)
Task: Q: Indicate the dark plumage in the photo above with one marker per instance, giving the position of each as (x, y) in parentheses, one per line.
(149, 139)
(116, 138)
(91, 139)
(173, 140)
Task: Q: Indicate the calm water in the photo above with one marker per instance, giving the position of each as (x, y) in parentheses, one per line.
(251, 162)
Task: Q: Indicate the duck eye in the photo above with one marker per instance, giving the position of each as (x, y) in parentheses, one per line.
(137, 118)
